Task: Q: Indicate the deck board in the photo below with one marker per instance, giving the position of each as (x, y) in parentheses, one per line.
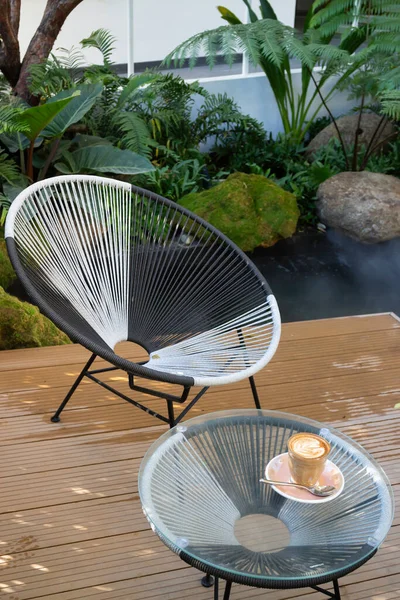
(71, 524)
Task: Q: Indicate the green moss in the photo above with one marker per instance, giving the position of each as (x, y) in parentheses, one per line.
(250, 209)
(23, 326)
(7, 273)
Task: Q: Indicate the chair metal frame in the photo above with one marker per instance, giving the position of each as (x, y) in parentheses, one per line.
(41, 201)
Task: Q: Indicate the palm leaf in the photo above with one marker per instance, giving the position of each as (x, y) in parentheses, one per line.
(102, 40)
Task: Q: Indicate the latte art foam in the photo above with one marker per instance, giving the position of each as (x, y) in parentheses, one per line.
(309, 447)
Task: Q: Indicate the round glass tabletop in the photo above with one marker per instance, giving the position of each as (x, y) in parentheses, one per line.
(200, 491)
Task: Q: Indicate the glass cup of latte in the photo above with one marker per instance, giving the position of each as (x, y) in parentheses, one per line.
(307, 456)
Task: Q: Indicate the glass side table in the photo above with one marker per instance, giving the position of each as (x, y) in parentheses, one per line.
(200, 491)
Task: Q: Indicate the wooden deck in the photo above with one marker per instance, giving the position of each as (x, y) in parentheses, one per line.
(71, 525)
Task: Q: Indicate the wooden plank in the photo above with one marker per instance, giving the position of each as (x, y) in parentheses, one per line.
(338, 326)
(30, 358)
(33, 358)
(301, 369)
(120, 417)
(70, 517)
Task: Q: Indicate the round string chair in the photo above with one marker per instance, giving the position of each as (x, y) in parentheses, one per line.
(109, 262)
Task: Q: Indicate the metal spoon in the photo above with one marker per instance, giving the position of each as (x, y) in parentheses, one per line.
(316, 490)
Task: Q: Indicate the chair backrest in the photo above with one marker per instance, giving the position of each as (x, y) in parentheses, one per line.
(110, 262)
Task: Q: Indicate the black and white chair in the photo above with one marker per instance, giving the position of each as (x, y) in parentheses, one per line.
(109, 262)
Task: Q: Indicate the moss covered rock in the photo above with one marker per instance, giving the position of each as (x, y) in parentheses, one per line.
(7, 273)
(251, 210)
(23, 326)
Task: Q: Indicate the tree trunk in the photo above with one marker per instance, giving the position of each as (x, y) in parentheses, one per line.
(40, 46)
(10, 63)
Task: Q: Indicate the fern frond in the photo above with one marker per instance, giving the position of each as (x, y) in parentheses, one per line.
(327, 53)
(9, 122)
(57, 73)
(102, 40)
(261, 39)
(71, 59)
(295, 48)
(135, 134)
(331, 27)
(332, 10)
(9, 170)
(390, 104)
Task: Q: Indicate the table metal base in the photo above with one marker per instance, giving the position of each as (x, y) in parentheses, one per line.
(209, 581)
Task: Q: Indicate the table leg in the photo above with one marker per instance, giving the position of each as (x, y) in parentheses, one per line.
(335, 595)
(207, 581)
(227, 592)
(216, 582)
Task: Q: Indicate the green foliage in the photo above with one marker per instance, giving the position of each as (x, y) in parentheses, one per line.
(8, 168)
(373, 28)
(57, 73)
(84, 98)
(37, 118)
(23, 326)
(174, 182)
(7, 273)
(102, 40)
(103, 159)
(390, 104)
(9, 119)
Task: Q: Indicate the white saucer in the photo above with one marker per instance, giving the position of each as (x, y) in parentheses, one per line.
(278, 469)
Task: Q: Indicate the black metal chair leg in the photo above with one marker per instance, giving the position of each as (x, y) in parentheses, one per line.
(171, 417)
(56, 417)
(336, 589)
(255, 393)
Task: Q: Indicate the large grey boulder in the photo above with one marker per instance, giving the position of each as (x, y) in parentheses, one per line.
(363, 205)
(347, 127)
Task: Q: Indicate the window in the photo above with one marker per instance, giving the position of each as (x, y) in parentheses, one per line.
(302, 8)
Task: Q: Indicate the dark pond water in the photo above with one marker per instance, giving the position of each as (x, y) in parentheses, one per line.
(322, 275)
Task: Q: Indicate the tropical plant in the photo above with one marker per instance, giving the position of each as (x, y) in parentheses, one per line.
(364, 26)
(37, 137)
(182, 178)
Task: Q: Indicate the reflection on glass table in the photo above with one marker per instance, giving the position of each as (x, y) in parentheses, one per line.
(200, 491)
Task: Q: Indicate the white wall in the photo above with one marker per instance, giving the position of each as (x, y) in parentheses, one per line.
(255, 97)
(85, 18)
(158, 25)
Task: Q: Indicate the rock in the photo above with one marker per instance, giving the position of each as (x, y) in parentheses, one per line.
(23, 326)
(363, 205)
(7, 273)
(251, 210)
(347, 126)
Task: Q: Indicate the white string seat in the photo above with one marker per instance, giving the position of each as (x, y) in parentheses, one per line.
(109, 262)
